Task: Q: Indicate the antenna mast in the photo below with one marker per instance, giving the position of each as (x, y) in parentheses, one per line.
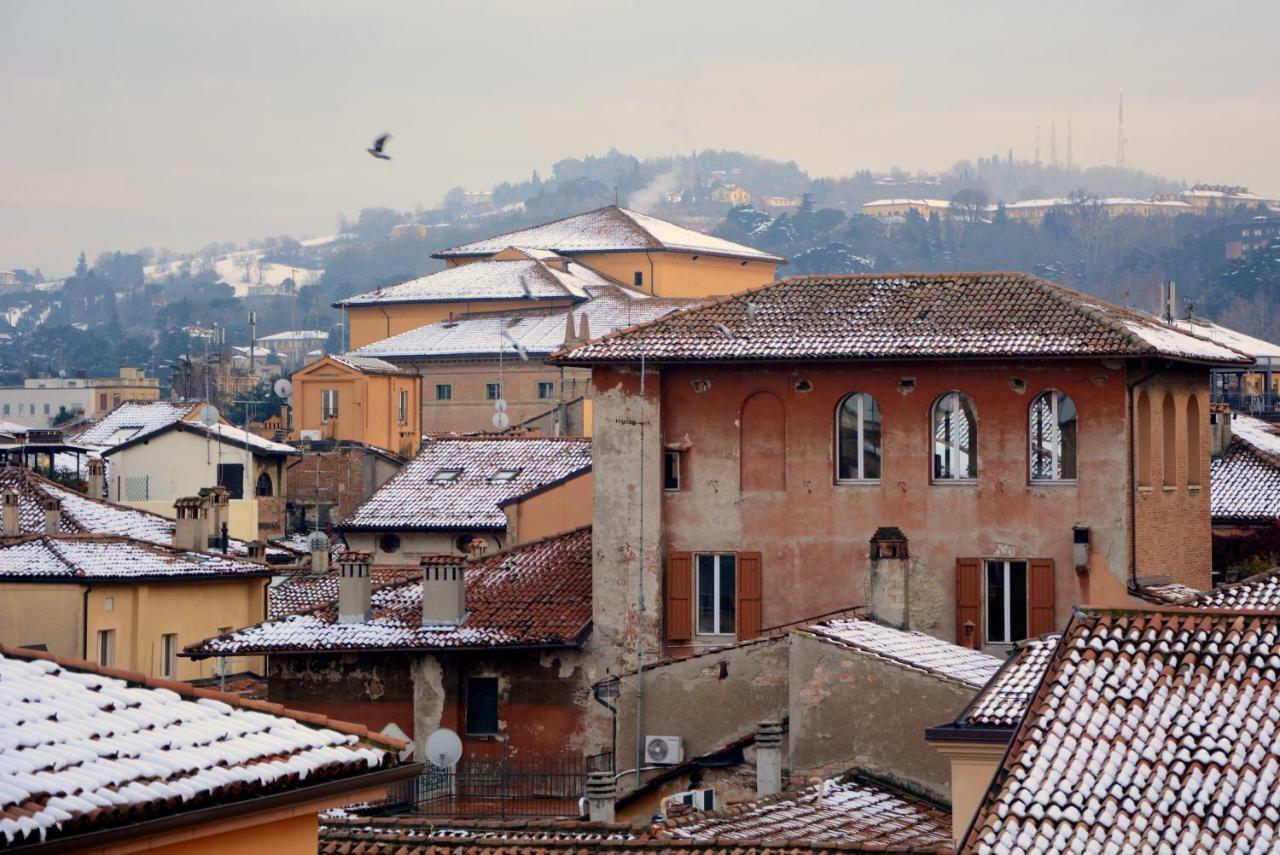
(1120, 140)
(1037, 144)
(1053, 143)
(1070, 160)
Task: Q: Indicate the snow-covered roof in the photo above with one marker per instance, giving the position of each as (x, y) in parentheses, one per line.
(913, 649)
(134, 419)
(1004, 699)
(296, 335)
(539, 331)
(910, 316)
(51, 557)
(610, 229)
(534, 595)
(369, 364)
(461, 482)
(1255, 347)
(1257, 592)
(516, 279)
(1154, 731)
(1244, 483)
(227, 434)
(83, 751)
(884, 203)
(303, 591)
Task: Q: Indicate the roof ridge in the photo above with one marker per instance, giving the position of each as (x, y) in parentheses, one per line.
(442, 253)
(626, 213)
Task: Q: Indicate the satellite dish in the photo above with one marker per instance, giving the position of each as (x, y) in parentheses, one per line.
(283, 388)
(209, 415)
(501, 420)
(500, 405)
(444, 748)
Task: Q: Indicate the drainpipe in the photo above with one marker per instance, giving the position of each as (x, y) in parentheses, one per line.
(84, 624)
(388, 317)
(640, 597)
(1133, 477)
(652, 284)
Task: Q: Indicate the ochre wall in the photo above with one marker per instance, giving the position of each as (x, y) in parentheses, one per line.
(675, 274)
(295, 835)
(368, 406)
(469, 410)
(49, 614)
(560, 509)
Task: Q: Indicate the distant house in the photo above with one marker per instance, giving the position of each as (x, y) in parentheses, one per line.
(901, 207)
(292, 346)
(1240, 239)
(783, 202)
(409, 230)
(40, 400)
(731, 194)
(331, 478)
(356, 398)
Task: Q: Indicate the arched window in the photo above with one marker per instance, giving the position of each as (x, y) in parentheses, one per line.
(1170, 431)
(858, 438)
(955, 438)
(263, 487)
(1193, 442)
(1053, 437)
(1142, 440)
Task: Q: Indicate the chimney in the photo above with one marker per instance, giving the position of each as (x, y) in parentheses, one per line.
(218, 501)
(602, 793)
(12, 519)
(584, 328)
(1219, 429)
(768, 758)
(318, 543)
(890, 578)
(354, 590)
(97, 477)
(189, 524)
(570, 337)
(52, 507)
(444, 600)
(258, 552)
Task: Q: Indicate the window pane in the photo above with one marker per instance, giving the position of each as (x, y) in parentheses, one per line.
(706, 594)
(848, 439)
(955, 438)
(671, 470)
(1017, 600)
(870, 438)
(995, 601)
(1067, 430)
(728, 593)
(482, 705)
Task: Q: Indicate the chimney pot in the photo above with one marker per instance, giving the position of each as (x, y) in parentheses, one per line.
(189, 531)
(444, 600)
(97, 471)
(318, 543)
(768, 758)
(12, 516)
(354, 589)
(602, 793)
(52, 514)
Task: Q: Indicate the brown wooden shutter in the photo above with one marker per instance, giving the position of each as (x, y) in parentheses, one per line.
(679, 596)
(748, 584)
(969, 602)
(1040, 617)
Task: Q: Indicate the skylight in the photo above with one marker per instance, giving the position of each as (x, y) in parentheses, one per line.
(445, 476)
(503, 476)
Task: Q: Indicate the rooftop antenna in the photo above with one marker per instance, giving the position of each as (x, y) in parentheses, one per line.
(1070, 159)
(1120, 140)
(1037, 161)
(1053, 143)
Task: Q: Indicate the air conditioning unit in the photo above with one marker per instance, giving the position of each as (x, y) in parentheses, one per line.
(703, 799)
(310, 435)
(663, 750)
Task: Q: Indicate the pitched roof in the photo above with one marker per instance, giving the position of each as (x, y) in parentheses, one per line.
(73, 557)
(133, 419)
(1244, 483)
(527, 279)
(903, 316)
(609, 229)
(1154, 730)
(912, 649)
(1004, 699)
(227, 434)
(300, 592)
(1260, 592)
(852, 809)
(369, 364)
(1255, 347)
(534, 595)
(423, 497)
(539, 331)
(84, 750)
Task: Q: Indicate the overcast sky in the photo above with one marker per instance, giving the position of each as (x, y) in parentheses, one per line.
(137, 123)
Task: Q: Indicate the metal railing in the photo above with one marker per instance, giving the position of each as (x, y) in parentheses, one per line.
(1264, 406)
(499, 787)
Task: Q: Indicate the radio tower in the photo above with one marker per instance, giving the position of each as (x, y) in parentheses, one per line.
(1037, 144)
(1070, 161)
(1120, 132)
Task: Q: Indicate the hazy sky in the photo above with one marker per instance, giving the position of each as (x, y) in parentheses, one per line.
(134, 123)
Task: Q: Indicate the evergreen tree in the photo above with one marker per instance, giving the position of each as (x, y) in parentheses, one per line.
(82, 267)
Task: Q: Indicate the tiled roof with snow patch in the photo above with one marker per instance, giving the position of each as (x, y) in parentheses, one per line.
(75, 557)
(227, 434)
(460, 482)
(1244, 483)
(1261, 592)
(1154, 730)
(610, 229)
(909, 315)
(85, 750)
(913, 649)
(369, 364)
(304, 591)
(534, 595)
(487, 280)
(133, 419)
(1004, 699)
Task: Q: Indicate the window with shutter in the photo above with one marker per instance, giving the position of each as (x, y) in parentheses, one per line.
(969, 602)
(679, 599)
(749, 590)
(1040, 603)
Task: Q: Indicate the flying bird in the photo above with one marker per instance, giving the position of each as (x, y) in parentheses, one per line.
(519, 348)
(724, 331)
(376, 148)
(752, 311)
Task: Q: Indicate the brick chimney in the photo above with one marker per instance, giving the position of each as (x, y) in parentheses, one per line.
(354, 589)
(52, 507)
(768, 758)
(888, 600)
(444, 601)
(318, 543)
(12, 517)
(97, 477)
(190, 516)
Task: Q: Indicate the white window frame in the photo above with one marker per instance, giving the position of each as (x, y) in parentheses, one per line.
(1007, 599)
(934, 477)
(549, 386)
(717, 576)
(328, 404)
(169, 655)
(861, 478)
(1055, 451)
(404, 406)
(106, 647)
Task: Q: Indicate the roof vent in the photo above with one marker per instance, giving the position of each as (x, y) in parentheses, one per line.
(354, 588)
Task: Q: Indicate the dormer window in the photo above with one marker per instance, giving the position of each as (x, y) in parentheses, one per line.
(445, 476)
(504, 476)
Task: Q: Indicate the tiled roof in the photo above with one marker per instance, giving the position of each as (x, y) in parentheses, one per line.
(1154, 730)
(133, 419)
(369, 365)
(1166, 593)
(226, 434)
(909, 315)
(418, 498)
(1260, 592)
(539, 331)
(300, 592)
(850, 809)
(296, 335)
(1233, 339)
(913, 649)
(1244, 483)
(487, 280)
(534, 595)
(92, 556)
(83, 515)
(1004, 699)
(84, 749)
(610, 229)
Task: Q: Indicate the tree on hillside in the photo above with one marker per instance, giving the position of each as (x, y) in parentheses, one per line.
(970, 205)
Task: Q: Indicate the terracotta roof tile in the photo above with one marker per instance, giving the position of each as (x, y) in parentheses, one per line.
(300, 592)
(1244, 483)
(913, 649)
(1004, 699)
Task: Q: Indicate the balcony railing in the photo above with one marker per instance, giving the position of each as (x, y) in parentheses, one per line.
(1264, 405)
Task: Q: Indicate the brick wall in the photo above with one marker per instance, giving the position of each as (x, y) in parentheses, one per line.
(337, 480)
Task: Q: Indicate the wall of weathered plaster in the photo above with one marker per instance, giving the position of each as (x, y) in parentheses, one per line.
(373, 689)
(848, 709)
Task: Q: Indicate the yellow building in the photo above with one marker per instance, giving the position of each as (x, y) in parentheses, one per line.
(126, 603)
(731, 193)
(902, 207)
(360, 399)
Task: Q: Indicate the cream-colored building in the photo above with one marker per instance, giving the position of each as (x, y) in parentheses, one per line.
(40, 400)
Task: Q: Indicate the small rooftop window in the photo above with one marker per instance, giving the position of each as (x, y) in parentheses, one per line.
(445, 476)
(503, 476)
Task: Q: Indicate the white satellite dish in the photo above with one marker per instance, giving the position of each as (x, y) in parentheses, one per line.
(500, 405)
(501, 420)
(209, 415)
(444, 748)
(283, 388)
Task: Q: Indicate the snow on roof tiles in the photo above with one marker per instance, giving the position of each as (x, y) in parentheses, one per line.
(910, 315)
(1004, 699)
(849, 809)
(609, 229)
(369, 364)
(1244, 483)
(486, 280)
(1255, 347)
(91, 556)
(1154, 730)
(1261, 592)
(83, 750)
(296, 335)
(426, 495)
(534, 595)
(301, 592)
(913, 649)
(227, 434)
(133, 419)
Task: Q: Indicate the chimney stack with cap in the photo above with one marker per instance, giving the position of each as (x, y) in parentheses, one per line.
(768, 758)
(354, 589)
(318, 543)
(97, 477)
(444, 601)
(602, 793)
(189, 524)
(52, 507)
(12, 517)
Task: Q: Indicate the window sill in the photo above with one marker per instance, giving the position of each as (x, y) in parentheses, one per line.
(858, 482)
(955, 482)
(1169, 489)
(1194, 489)
(484, 737)
(1142, 488)
(1058, 482)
